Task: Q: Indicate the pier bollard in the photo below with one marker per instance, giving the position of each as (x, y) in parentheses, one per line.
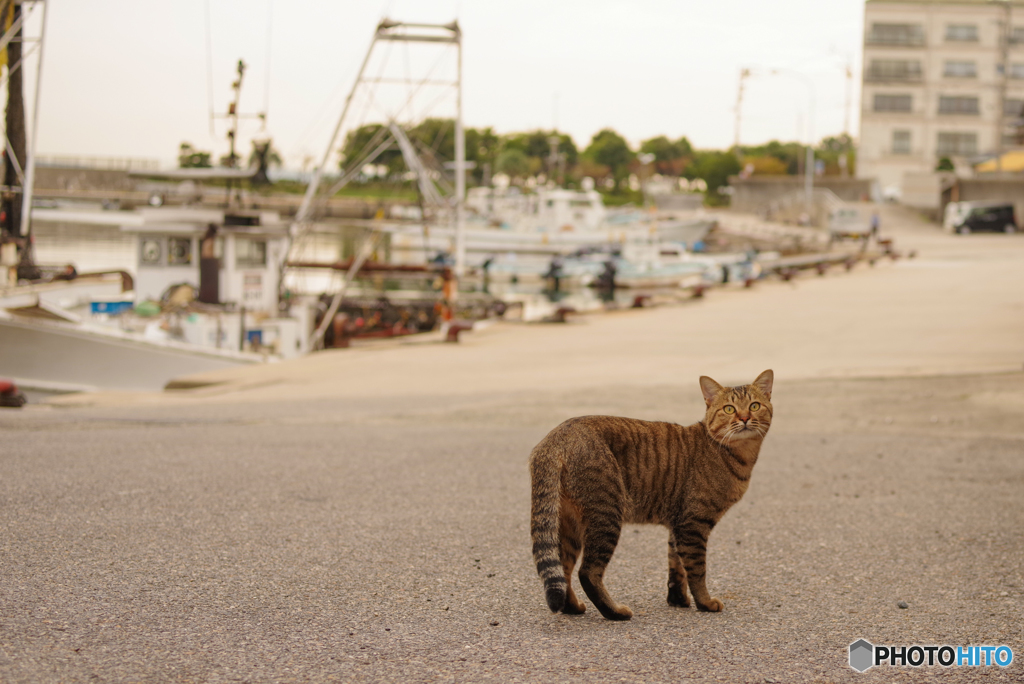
(698, 291)
(749, 282)
(10, 396)
(456, 327)
(560, 315)
(640, 301)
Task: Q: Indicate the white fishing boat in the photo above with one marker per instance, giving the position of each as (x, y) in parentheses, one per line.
(205, 296)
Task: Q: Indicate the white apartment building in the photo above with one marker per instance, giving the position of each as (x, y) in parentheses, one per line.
(942, 78)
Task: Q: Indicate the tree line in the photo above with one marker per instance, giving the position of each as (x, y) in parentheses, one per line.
(538, 156)
(608, 158)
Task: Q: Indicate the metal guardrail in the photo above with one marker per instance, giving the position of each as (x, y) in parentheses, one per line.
(99, 163)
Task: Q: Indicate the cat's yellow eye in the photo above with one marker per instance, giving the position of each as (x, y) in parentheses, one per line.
(729, 409)
(755, 406)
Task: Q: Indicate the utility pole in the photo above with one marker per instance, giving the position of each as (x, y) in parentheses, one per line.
(1005, 35)
(744, 74)
(809, 163)
(844, 163)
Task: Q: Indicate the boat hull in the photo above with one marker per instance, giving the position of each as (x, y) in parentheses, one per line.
(55, 355)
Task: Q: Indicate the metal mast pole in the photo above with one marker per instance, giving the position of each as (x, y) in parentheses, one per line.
(460, 169)
(314, 183)
(809, 163)
(30, 166)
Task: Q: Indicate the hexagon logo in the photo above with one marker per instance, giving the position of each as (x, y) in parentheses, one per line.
(861, 655)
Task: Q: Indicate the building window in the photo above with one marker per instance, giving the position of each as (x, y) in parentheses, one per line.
(901, 142)
(962, 32)
(957, 144)
(896, 34)
(892, 103)
(894, 70)
(152, 251)
(958, 104)
(1012, 106)
(179, 251)
(1017, 71)
(250, 253)
(960, 70)
(1017, 35)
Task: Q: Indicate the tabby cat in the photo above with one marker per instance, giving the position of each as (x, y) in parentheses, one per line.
(592, 474)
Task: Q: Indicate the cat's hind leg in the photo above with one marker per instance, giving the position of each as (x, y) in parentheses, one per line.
(604, 524)
(570, 533)
(677, 595)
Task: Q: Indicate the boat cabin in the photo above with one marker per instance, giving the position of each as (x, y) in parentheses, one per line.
(243, 254)
(548, 210)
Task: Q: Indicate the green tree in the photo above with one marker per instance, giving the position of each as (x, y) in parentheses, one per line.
(610, 149)
(537, 148)
(434, 140)
(273, 157)
(191, 158)
(830, 150)
(791, 154)
(714, 168)
(670, 158)
(357, 145)
(482, 148)
(513, 162)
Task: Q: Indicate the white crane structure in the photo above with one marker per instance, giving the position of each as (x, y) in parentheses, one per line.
(444, 200)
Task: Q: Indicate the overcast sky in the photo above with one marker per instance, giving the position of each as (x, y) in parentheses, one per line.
(129, 78)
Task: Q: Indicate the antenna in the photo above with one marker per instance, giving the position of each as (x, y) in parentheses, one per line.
(266, 87)
(209, 68)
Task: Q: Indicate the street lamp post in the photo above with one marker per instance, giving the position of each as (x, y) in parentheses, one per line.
(809, 163)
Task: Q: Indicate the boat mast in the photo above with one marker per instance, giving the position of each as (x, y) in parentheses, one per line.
(388, 30)
(30, 167)
(19, 163)
(460, 168)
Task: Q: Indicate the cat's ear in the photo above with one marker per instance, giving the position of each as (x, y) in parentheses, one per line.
(710, 388)
(764, 383)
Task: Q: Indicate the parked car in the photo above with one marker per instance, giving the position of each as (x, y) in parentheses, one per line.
(973, 217)
(847, 222)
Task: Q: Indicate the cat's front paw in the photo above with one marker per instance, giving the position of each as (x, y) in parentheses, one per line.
(677, 596)
(712, 606)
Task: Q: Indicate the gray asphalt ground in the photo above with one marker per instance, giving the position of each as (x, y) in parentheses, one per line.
(363, 515)
(387, 540)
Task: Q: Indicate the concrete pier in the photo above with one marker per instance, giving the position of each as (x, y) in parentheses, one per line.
(363, 514)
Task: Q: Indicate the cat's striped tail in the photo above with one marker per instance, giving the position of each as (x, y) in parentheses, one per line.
(545, 470)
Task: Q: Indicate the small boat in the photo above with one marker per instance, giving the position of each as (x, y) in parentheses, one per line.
(112, 331)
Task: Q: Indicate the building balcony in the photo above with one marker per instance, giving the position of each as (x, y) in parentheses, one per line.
(886, 76)
(884, 40)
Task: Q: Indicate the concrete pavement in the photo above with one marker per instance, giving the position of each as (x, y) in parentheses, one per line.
(362, 515)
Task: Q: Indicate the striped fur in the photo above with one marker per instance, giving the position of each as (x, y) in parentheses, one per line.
(591, 475)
